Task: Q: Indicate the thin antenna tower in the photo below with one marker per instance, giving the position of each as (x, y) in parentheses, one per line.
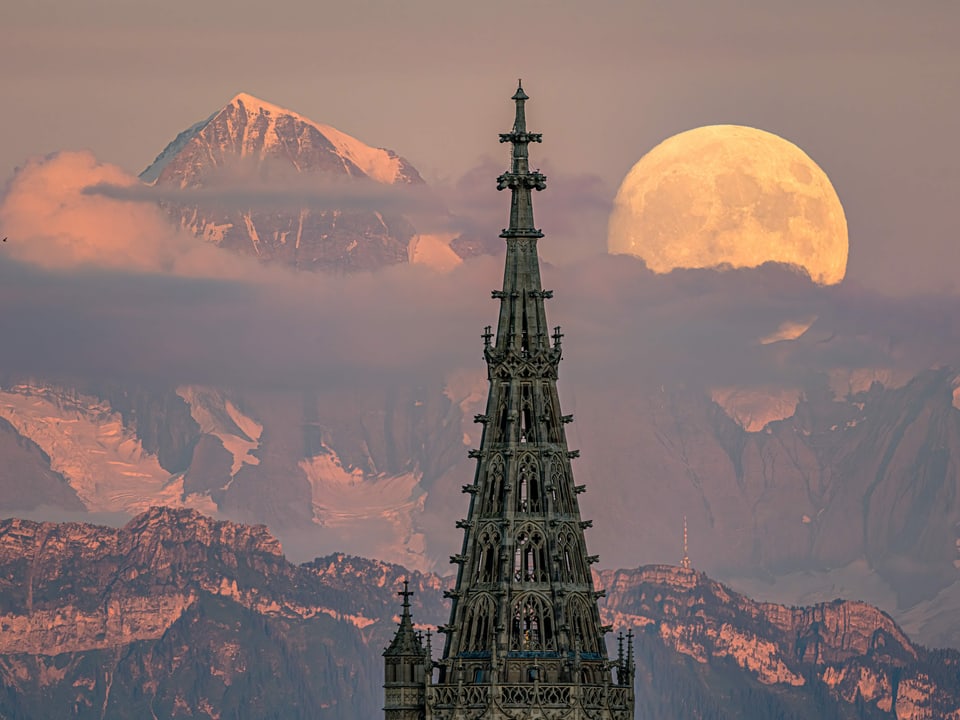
(685, 562)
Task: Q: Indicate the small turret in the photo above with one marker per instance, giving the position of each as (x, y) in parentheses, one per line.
(406, 663)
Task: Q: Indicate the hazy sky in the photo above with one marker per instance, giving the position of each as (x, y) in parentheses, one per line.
(95, 283)
(869, 89)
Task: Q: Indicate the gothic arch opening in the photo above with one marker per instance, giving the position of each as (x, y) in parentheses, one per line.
(551, 411)
(493, 503)
(479, 623)
(530, 555)
(580, 621)
(527, 429)
(487, 562)
(529, 486)
(503, 414)
(532, 625)
(560, 491)
(570, 558)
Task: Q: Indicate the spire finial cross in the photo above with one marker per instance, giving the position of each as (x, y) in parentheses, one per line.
(406, 593)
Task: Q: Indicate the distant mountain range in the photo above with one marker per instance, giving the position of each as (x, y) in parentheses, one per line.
(179, 616)
(849, 487)
(844, 494)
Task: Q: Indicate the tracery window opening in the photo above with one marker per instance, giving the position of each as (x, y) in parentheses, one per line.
(560, 493)
(583, 574)
(478, 621)
(503, 413)
(530, 557)
(527, 429)
(529, 495)
(495, 486)
(555, 434)
(579, 618)
(524, 335)
(570, 557)
(487, 558)
(532, 625)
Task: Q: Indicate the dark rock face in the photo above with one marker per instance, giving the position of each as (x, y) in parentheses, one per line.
(473, 245)
(185, 616)
(160, 418)
(871, 475)
(838, 659)
(26, 480)
(252, 141)
(188, 617)
(209, 471)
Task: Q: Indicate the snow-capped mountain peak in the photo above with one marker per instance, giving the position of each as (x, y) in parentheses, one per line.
(255, 104)
(250, 127)
(249, 138)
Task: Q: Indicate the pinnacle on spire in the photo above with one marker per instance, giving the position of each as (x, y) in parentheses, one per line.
(520, 94)
(519, 178)
(406, 593)
(520, 121)
(406, 641)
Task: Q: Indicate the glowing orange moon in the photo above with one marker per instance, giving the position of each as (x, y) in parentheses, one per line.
(728, 195)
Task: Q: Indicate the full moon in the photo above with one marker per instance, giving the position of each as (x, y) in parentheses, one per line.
(728, 195)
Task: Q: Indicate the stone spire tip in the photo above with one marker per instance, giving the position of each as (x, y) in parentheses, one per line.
(520, 94)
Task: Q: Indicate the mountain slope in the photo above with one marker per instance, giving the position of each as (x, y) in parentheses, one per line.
(252, 147)
(177, 615)
(846, 657)
(863, 486)
(24, 460)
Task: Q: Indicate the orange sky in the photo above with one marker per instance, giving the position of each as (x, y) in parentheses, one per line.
(870, 89)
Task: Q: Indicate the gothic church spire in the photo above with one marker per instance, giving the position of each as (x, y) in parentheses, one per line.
(524, 627)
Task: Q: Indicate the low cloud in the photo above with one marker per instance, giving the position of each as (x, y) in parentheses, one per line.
(572, 212)
(96, 282)
(272, 184)
(53, 221)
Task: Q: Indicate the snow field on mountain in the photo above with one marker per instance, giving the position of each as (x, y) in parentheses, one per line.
(379, 164)
(88, 444)
(434, 251)
(379, 509)
(151, 174)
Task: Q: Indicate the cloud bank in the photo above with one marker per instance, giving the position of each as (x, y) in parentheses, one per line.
(96, 282)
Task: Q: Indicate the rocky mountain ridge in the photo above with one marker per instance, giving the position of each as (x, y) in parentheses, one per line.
(855, 650)
(229, 180)
(178, 615)
(834, 476)
(866, 480)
